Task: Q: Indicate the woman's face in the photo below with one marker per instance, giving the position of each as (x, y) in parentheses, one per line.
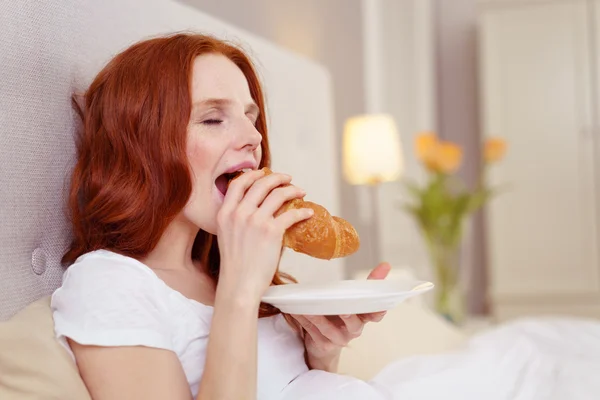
(221, 135)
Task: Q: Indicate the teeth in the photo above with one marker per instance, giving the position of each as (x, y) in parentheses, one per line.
(246, 169)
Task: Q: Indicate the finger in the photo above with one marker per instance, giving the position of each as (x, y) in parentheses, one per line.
(354, 325)
(372, 317)
(262, 187)
(277, 197)
(238, 187)
(381, 271)
(293, 216)
(331, 332)
(310, 329)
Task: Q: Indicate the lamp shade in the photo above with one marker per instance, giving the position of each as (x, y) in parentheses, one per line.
(372, 151)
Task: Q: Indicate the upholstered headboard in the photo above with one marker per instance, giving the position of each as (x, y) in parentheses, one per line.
(48, 50)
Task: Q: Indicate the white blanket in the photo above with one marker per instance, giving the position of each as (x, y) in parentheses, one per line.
(530, 359)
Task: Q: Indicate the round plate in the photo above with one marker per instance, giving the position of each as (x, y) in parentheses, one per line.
(343, 297)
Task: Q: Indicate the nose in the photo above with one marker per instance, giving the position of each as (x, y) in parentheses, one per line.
(249, 137)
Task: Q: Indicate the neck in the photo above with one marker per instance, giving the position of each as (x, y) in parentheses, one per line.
(174, 249)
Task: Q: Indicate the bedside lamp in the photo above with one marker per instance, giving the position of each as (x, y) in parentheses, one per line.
(372, 154)
(371, 150)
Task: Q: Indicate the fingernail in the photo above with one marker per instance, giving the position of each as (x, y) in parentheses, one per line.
(310, 211)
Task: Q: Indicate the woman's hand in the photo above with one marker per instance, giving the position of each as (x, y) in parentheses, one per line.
(250, 237)
(326, 336)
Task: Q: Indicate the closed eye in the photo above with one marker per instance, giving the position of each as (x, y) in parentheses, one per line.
(212, 121)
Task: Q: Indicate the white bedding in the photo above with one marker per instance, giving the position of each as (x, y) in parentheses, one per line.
(530, 359)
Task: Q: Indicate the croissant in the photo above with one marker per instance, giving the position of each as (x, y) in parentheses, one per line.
(321, 236)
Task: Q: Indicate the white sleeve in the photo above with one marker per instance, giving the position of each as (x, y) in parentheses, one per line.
(107, 302)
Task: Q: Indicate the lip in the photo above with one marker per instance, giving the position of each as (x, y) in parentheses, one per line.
(243, 165)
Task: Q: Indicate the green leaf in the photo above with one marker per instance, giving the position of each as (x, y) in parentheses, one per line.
(441, 205)
(413, 188)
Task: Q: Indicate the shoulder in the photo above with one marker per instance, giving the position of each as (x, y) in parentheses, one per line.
(110, 279)
(106, 264)
(110, 299)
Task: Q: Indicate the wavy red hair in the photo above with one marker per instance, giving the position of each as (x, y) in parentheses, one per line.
(132, 175)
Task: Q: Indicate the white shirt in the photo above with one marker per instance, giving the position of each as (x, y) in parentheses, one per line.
(108, 299)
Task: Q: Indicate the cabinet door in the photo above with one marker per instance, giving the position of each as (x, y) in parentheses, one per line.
(536, 93)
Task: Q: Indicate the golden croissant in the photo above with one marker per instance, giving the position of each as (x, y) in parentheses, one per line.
(322, 235)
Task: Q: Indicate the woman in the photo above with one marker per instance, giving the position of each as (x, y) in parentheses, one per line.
(153, 305)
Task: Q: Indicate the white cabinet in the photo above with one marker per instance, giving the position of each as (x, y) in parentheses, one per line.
(539, 90)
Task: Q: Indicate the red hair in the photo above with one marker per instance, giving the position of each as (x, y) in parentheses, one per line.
(132, 175)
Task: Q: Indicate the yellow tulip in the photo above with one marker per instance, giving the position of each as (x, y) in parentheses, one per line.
(425, 145)
(437, 156)
(427, 149)
(494, 149)
(449, 157)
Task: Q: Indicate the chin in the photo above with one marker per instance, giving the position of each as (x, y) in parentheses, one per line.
(206, 219)
(210, 228)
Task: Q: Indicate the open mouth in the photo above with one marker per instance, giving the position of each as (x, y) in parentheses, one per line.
(222, 182)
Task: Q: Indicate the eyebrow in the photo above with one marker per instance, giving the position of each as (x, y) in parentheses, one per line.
(250, 107)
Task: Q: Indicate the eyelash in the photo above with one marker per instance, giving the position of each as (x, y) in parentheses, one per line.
(212, 122)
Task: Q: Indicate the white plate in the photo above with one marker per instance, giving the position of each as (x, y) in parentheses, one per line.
(343, 297)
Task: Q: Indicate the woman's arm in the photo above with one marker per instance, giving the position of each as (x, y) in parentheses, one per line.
(135, 372)
(250, 239)
(231, 361)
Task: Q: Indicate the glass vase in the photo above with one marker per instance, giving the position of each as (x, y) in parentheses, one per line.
(449, 296)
